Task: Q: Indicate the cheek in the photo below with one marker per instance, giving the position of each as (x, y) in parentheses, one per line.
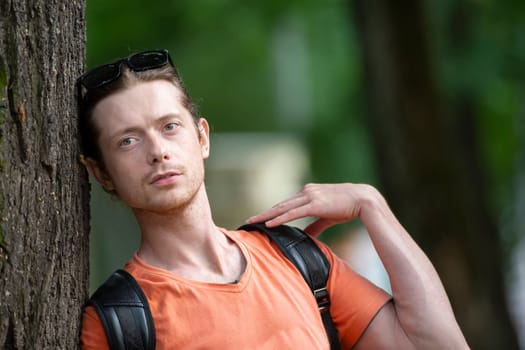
(120, 169)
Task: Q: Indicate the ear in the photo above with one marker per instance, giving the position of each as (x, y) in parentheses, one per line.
(96, 171)
(204, 137)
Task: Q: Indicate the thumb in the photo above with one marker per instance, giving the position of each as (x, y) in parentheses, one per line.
(317, 227)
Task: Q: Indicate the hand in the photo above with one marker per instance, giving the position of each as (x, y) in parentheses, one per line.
(331, 204)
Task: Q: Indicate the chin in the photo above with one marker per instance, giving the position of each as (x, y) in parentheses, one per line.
(168, 201)
(171, 204)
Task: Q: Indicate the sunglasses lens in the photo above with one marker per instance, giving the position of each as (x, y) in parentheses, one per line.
(108, 73)
(148, 60)
(101, 76)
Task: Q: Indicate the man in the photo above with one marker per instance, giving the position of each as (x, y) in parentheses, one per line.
(212, 288)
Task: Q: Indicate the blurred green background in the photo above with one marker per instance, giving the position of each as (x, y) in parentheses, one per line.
(316, 74)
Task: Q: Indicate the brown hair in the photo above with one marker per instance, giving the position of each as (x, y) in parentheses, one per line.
(89, 133)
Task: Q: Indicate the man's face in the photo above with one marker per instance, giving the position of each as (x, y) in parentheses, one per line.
(152, 150)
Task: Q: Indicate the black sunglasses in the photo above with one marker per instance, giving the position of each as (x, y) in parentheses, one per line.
(108, 73)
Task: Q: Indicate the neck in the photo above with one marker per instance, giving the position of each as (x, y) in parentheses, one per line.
(187, 242)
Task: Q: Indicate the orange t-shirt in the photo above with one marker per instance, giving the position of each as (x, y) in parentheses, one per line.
(271, 307)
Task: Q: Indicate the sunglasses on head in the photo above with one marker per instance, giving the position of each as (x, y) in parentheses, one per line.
(108, 73)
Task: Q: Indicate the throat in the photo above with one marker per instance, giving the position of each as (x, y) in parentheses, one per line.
(217, 259)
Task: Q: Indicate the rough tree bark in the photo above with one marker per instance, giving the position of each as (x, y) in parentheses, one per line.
(43, 188)
(430, 167)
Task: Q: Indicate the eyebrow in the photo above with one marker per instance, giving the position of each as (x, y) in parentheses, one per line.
(169, 116)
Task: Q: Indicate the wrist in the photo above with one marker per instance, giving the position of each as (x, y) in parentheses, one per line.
(371, 202)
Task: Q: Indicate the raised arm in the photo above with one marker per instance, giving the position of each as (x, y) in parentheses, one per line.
(420, 316)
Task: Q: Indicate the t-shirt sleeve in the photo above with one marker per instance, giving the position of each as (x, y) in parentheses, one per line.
(355, 300)
(92, 336)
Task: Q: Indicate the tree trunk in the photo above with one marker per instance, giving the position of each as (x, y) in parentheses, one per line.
(43, 189)
(430, 167)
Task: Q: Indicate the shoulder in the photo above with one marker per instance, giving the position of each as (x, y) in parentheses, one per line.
(252, 237)
(92, 334)
(251, 242)
(343, 278)
(355, 300)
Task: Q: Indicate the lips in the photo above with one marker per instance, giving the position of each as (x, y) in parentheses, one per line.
(164, 178)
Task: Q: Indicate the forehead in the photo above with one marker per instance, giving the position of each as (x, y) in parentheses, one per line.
(142, 100)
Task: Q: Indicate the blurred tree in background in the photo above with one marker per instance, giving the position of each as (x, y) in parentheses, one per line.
(421, 99)
(430, 160)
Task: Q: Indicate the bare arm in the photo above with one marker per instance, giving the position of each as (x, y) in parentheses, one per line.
(420, 316)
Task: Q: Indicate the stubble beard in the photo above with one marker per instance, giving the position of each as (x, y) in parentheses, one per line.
(179, 200)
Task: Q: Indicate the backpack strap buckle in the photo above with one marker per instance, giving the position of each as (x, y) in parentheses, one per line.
(323, 298)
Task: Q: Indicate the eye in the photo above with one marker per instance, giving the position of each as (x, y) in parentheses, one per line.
(170, 126)
(127, 141)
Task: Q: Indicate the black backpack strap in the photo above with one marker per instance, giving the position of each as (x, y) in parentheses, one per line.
(124, 312)
(304, 253)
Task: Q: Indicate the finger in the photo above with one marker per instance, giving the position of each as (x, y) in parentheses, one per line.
(295, 201)
(265, 215)
(279, 209)
(290, 215)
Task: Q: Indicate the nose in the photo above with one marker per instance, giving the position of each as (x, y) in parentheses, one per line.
(158, 151)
